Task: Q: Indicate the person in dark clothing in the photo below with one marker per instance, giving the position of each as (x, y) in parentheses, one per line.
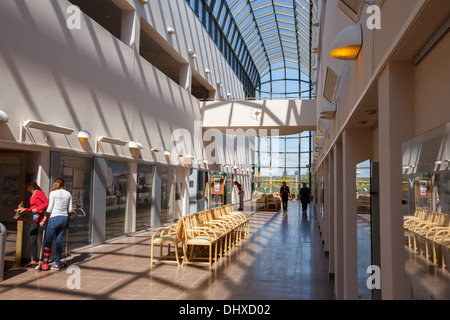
(241, 195)
(284, 193)
(305, 197)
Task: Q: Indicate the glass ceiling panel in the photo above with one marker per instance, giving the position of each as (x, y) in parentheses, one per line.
(281, 33)
(267, 36)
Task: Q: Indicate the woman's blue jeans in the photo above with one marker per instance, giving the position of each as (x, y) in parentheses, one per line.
(56, 228)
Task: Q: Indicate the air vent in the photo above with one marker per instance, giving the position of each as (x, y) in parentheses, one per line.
(331, 85)
(352, 8)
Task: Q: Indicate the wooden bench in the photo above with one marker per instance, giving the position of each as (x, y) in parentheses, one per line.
(268, 202)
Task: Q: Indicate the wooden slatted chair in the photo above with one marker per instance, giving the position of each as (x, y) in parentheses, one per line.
(232, 223)
(419, 214)
(435, 236)
(238, 217)
(426, 217)
(244, 217)
(198, 237)
(422, 232)
(434, 220)
(201, 220)
(172, 235)
(445, 245)
(226, 228)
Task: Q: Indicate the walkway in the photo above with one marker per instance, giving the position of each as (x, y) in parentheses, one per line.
(282, 259)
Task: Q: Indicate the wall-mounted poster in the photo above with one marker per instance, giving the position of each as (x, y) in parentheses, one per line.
(217, 185)
(423, 188)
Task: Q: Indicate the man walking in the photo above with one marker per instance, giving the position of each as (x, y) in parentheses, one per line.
(305, 197)
(285, 194)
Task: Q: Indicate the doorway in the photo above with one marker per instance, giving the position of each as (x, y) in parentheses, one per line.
(367, 208)
(12, 189)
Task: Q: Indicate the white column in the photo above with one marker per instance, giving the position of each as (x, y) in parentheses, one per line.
(396, 106)
(326, 222)
(331, 222)
(357, 147)
(131, 29)
(338, 223)
(186, 77)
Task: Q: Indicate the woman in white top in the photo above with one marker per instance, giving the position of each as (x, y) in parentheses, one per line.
(59, 207)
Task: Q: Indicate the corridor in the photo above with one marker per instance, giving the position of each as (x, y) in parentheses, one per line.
(282, 259)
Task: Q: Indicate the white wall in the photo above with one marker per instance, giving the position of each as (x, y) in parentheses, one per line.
(87, 79)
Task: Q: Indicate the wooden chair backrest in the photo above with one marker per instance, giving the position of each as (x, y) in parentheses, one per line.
(180, 230)
(440, 218)
(215, 213)
(188, 227)
(228, 208)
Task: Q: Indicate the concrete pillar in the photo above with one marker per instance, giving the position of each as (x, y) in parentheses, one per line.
(338, 223)
(326, 222)
(131, 29)
(357, 147)
(156, 195)
(331, 222)
(396, 106)
(186, 77)
(99, 201)
(130, 213)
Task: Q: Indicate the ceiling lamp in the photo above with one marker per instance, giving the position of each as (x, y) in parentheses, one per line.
(83, 135)
(192, 54)
(3, 116)
(170, 30)
(135, 145)
(347, 44)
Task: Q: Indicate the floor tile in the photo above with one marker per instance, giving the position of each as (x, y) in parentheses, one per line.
(282, 259)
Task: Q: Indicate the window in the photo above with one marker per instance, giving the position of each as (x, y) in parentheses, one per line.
(279, 159)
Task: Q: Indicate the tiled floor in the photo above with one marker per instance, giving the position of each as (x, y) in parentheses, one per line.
(282, 259)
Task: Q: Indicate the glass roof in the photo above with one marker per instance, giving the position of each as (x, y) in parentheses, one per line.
(279, 36)
(271, 40)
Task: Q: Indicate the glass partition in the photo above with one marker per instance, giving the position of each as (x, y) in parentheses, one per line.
(116, 198)
(202, 190)
(167, 195)
(77, 175)
(144, 201)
